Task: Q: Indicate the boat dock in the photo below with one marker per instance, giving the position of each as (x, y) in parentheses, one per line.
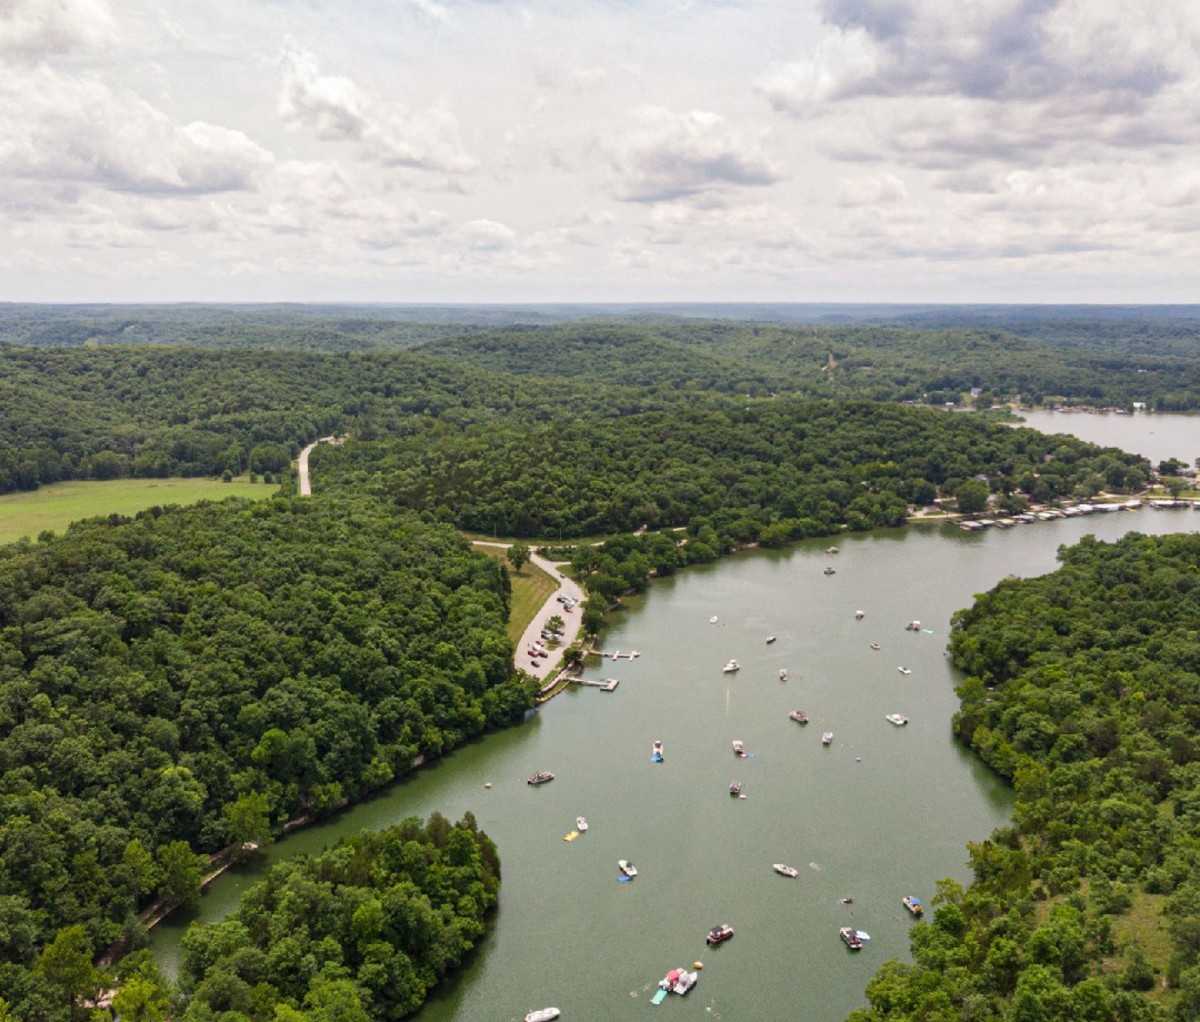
(603, 684)
(632, 654)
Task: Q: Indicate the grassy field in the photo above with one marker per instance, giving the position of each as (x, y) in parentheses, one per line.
(530, 587)
(54, 507)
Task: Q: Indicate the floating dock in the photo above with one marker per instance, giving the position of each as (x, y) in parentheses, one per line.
(603, 684)
(632, 654)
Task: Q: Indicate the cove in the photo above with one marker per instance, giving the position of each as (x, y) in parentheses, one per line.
(885, 811)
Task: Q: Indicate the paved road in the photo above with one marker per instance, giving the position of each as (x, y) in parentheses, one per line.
(544, 668)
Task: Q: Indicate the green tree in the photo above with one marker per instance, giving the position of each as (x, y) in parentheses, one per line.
(518, 555)
(181, 871)
(972, 496)
(248, 820)
(66, 964)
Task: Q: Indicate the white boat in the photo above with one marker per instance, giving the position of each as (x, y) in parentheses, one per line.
(685, 982)
(542, 1015)
(627, 867)
(896, 718)
(830, 571)
(732, 666)
(827, 738)
(783, 675)
(859, 615)
(581, 824)
(739, 748)
(904, 670)
(785, 870)
(799, 716)
(712, 620)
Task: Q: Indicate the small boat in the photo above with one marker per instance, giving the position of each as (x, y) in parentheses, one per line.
(627, 867)
(541, 777)
(830, 570)
(719, 933)
(827, 738)
(913, 626)
(712, 620)
(732, 666)
(783, 675)
(738, 748)
(685, 982)
(799, 716)
(657, 755)
(850, 935)
(542, 1015)
(581, 824)
(571, 835)
(735, 787)
(859, 615)
(904, 670)
(831, 550)
(875, 645)
(913, 905)
(770, 639)
(896, 718)
(784, 870)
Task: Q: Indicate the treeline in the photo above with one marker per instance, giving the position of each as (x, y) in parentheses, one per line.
(359, 933)
(1083, 688)
(766, 472)
(88, 409)
(193, 678)
(83, 413)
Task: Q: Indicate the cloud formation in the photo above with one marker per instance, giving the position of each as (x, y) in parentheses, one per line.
(466, 150)
(668, 156)
(335, 109)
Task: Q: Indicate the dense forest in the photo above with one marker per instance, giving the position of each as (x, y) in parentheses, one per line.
(804, 466)
(1083, 688)
(357, 934)
(109, 392)
(194, 678)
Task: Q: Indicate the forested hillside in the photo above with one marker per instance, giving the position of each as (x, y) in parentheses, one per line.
(1083, 688)
(829, 463)
(78, 409)
(196, 677)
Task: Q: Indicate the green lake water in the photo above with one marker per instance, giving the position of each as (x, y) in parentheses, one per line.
(885, 811)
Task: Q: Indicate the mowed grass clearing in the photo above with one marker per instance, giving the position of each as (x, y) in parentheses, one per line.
(54, 507)
(531, 587)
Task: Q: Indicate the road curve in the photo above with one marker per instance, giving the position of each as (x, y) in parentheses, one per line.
(544, 668)
(302, 464)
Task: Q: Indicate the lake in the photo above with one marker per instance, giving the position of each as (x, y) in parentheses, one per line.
(883, 812)
(1150, 434)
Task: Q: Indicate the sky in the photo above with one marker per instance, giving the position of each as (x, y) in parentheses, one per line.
(600, 150)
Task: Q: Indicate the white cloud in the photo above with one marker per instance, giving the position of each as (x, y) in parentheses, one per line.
(841, 59)
(334, 108)
(57, 126)
(669, 156)
(871, 190)
(32, 30)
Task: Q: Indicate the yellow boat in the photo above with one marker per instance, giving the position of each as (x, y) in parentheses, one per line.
(571, 836)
